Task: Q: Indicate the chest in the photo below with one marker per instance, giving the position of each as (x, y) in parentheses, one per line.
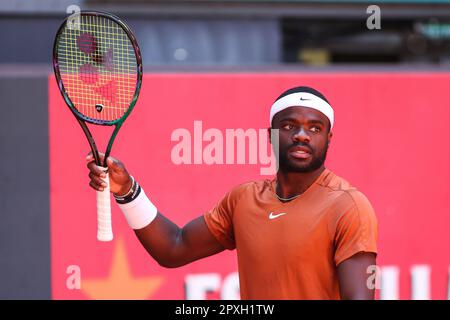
(282, 232)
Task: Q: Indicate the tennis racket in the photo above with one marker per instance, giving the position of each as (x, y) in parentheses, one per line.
(98, 68)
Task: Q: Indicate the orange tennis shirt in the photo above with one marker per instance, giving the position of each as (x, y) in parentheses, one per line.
(291, 250)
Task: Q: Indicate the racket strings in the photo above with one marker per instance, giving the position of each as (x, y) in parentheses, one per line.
(98, 67)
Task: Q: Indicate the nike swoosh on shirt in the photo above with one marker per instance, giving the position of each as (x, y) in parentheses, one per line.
(274, 216)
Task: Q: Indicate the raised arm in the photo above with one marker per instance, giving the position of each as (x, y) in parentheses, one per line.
(168, 244)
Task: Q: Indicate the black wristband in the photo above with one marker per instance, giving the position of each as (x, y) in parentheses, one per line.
(131, 195)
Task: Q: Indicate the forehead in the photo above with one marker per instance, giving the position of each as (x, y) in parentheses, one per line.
(300, 114)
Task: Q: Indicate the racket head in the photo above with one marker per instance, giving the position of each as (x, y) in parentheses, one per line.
(98, 67)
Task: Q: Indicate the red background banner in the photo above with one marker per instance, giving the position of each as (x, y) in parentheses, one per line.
(390, 140)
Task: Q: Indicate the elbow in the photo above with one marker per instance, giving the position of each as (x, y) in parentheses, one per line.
(171, 256)
(170, 263)
(176, 257)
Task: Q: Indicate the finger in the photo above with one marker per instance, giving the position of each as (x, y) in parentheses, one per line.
(96, 186)
(97, 180)
(90, 156)
(96, 170)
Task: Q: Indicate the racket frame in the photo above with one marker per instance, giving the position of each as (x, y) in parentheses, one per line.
(82, 119)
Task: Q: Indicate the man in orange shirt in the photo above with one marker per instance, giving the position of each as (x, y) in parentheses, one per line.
(306, 234)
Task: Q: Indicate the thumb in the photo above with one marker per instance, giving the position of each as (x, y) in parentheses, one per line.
(110, 163)
(114, 165)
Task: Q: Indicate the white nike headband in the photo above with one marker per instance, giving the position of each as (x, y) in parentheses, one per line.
(303, 99)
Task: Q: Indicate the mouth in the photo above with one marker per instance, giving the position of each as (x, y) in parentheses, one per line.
(299, 152)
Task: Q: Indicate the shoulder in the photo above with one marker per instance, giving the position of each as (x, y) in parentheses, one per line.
(249, 188)
(347, 197)
(243, 193)
(361, 202)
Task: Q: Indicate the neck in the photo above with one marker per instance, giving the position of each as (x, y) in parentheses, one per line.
(291, 184)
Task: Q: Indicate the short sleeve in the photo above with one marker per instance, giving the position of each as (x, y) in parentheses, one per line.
(220, 219)
(356, 229)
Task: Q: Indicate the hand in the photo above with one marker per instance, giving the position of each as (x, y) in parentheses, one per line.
(119, 178)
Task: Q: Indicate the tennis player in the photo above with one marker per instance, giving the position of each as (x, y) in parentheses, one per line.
(306, 234)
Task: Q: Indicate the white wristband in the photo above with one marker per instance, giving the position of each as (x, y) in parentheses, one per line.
(140, 212)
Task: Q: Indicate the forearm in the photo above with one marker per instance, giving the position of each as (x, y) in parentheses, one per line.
(163, 241)
(168, 244)
(159, 236)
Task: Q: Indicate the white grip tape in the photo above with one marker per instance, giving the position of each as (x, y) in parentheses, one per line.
(104, 227)
(140, 212)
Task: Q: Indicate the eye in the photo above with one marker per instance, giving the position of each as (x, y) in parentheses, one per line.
(315, 129)
(287, 126)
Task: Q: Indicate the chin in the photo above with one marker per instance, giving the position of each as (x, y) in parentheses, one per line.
(295, 167)
(302, 169)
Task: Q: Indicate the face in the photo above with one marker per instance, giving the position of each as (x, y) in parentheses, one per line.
(303, 139)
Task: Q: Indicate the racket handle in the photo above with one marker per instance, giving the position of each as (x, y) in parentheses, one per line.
(104, 227)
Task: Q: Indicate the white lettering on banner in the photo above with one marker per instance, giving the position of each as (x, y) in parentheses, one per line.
(386, 279)
(420, 282)
(230, 287)
(239, 146)
(198, 285)
(389, 283)
(448, 284)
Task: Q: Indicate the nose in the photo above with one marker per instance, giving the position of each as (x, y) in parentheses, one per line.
(301, 136)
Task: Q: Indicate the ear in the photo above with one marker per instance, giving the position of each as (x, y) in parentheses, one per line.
(330, 135)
